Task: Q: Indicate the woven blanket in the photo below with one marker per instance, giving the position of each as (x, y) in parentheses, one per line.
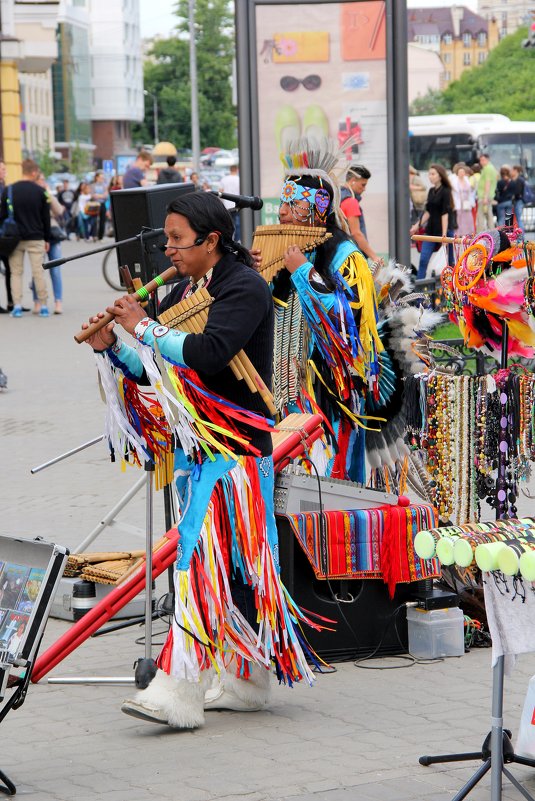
(366, 543)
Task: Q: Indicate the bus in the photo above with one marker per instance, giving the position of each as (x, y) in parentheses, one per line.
(449, 138)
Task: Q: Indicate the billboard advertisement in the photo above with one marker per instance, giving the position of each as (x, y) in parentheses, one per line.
(335, 69)
(321, 71)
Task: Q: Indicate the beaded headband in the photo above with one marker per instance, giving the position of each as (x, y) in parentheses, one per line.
(323, 159)
(319, 199)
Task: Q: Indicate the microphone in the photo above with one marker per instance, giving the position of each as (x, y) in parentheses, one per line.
(242, 201)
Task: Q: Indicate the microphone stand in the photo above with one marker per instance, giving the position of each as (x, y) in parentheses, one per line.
(145, 666)
(144, 234)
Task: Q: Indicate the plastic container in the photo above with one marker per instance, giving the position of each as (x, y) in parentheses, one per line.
(435, 633)
(525, 744)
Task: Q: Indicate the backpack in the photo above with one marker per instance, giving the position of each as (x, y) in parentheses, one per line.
(528, 195)
(9, 229)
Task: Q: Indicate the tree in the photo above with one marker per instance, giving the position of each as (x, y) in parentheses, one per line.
(45, 160)
(426, 104)
(80, 161)
(502, 85)
(167, 77)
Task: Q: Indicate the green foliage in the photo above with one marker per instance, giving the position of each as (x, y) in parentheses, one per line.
(502, 85)
(426, 104)
(80, 161)
(46, 161)
(167, 77)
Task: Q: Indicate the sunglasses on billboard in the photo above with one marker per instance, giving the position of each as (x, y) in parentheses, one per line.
(290, 84)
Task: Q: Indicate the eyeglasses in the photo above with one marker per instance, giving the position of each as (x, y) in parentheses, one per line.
(290, 84)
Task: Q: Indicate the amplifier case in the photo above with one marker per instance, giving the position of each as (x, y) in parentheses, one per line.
(143, 207)
(364, 614)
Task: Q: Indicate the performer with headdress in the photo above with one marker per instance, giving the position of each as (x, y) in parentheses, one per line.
(341, 345)
(327, 344)
(232, 614)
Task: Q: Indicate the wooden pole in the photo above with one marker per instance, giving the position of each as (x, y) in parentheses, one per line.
(445, 240)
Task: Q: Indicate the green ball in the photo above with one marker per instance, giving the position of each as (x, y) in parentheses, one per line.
(463, 553)
(445, 550)
(527, 565)
(508, 561)
(487, 555)
(424, 545)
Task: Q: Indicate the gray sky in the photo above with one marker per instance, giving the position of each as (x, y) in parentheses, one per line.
(157, 15)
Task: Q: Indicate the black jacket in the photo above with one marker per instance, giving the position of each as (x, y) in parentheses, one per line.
(241, 317)
(169, 176)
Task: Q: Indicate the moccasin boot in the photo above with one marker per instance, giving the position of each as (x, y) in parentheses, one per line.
(167, 700)
(241, 695)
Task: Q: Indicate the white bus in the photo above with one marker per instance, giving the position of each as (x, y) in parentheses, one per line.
(448, 138)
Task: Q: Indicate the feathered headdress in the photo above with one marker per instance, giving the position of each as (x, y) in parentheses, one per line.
(322, 158)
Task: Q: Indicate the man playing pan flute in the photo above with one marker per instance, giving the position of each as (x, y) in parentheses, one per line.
(326, 345)
(232, 615)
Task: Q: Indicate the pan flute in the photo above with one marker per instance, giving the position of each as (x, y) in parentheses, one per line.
(191, 315)
(274, 241)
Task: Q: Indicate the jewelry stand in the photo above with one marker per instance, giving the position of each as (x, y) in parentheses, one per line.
(501, 750)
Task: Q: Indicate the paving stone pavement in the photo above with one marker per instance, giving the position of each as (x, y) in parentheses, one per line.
(355, 736)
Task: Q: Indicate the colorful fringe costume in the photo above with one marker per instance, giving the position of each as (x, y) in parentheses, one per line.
(231, 610)
(327, 355)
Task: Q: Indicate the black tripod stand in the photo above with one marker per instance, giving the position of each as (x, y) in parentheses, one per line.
(497, 749)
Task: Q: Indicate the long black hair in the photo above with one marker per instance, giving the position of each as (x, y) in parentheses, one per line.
(206, 213)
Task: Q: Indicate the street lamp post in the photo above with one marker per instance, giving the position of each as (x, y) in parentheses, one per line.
(195, 136)
(154, 113)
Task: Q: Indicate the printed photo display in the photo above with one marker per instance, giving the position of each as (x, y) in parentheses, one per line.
(19, 589)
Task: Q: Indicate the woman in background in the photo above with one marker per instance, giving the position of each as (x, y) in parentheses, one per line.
(86, 222)
(463, 199)
(437, 217)
(504, 195)
(57, 235)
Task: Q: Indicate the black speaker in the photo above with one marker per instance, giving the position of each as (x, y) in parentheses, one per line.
(143, 207)
(367, 620)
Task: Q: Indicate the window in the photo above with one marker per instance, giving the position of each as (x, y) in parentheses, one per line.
(446, 58)
(482, 38)
(467, 59)
(447, 75)
(467, 40)
(481, 57)
(447, 38)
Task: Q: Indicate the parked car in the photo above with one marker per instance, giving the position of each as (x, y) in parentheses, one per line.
(211, 177)
(224, 158)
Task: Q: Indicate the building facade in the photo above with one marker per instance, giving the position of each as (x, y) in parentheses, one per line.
(424, 71)
(116, 75)
(460, 37)
(71, 79)
(509, 16)
(28, 49)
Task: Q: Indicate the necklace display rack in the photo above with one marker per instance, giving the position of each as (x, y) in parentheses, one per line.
(497, 750)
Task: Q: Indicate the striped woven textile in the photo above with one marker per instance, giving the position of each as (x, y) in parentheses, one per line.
(366, 543)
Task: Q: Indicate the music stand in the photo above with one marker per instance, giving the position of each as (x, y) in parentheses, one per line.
(30, 571)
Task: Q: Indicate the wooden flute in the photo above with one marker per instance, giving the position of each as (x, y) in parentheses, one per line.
(141, 294)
